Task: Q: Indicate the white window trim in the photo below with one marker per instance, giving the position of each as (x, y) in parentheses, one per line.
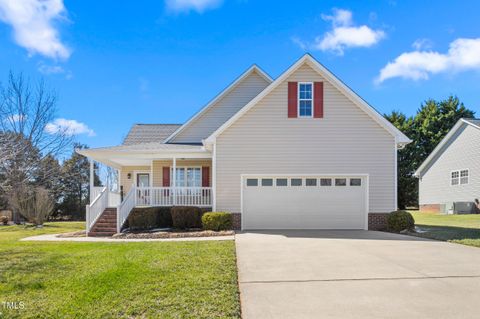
(459, 176)
(185, 176)
(298, 100)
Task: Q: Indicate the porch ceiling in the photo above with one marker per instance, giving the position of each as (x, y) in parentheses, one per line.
(143, 154)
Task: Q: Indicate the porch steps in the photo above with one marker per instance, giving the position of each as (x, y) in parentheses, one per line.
(106, 224)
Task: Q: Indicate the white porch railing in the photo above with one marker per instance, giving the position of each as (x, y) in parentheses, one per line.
(96, 190)
(173, 196)
(96, 208)
(124, 209)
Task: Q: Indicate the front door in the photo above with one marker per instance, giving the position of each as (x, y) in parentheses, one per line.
(143, 180)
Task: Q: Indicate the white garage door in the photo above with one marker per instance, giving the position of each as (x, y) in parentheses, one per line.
(304, 202)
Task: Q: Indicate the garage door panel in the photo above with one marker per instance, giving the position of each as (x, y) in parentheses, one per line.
(304, 207)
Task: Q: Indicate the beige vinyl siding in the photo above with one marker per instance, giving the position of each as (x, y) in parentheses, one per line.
(345, 141)
(462, 152)
(125, 170)
(222, 110)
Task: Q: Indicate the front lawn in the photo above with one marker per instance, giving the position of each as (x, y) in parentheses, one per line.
(115, 280)
(461, 229)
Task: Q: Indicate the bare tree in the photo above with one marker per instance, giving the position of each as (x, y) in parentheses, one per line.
(27, 111)
(35, 203)
(28, 141)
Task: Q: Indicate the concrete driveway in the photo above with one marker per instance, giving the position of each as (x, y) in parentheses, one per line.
(355, 274)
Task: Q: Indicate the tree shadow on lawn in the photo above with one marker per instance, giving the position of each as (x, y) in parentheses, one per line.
(448, 233)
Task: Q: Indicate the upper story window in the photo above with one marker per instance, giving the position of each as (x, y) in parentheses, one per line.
(455, 175)
(305, 99)
(464, 176)
(459, 177)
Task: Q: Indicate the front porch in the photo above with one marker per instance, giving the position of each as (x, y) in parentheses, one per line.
(147, 180)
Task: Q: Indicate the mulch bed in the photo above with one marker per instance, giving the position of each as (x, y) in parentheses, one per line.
(174, 234)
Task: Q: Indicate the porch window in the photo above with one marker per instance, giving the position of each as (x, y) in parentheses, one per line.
(187, 177)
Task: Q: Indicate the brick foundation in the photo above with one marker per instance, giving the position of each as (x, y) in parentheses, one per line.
(237, 221)
(377, 221)
(430, 208)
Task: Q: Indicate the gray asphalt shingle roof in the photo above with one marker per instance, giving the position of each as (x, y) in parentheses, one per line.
(148, 133)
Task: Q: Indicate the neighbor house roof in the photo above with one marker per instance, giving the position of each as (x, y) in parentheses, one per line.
(400, 138)
(228, 89)
(460, 123)
(147, 133)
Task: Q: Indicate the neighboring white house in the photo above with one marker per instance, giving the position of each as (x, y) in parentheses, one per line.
(451, 173)
(301, 151)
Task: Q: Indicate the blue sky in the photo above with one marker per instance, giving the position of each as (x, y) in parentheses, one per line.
(115, 63)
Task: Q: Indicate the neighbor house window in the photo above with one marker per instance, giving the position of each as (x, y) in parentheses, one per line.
(282, 182)
(455, 180)
(305, 99)
(252, 182)
(340, 182)
(464, 176)
(311, 182)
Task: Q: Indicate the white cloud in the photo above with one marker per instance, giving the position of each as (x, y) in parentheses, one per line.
(50, 69)
(68, 127)
(54, 69)
(33, 25)
(422, 44)
(463, 54)
(16, 117)
(196, 5)
(345, 35)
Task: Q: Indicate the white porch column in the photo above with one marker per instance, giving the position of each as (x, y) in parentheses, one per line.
(214, 178)
(92, 180)
(174, 181)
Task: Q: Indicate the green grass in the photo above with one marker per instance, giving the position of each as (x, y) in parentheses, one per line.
(461, 229)
(115, 280)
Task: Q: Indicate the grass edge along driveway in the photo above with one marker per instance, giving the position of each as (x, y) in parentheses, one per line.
(115, 280)
(460, 229)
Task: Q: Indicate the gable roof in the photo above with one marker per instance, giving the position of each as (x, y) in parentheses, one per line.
(228, 89)
(337, 83)
(460, 123)
(148, 133)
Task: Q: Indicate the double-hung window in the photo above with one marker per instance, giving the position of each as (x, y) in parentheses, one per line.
(188, 177)
(459, 177)
(305, 99)
(464, 176)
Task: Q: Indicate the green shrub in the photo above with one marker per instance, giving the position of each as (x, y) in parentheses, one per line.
(217, 221)
(184, 217)
(400, 220)
(4, 220)
(150, 217)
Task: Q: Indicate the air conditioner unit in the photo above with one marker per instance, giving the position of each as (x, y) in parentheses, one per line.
(463, 207)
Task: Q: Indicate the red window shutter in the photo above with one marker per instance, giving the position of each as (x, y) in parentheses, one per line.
(292, 99)
(318, 100)
(166, 176)
(205, 176)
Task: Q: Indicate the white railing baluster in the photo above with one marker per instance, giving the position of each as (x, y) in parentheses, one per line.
(173, 196)
(96, 207)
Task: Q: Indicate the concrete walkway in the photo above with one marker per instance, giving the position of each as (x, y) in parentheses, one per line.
(53, 237)
(355, 274)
